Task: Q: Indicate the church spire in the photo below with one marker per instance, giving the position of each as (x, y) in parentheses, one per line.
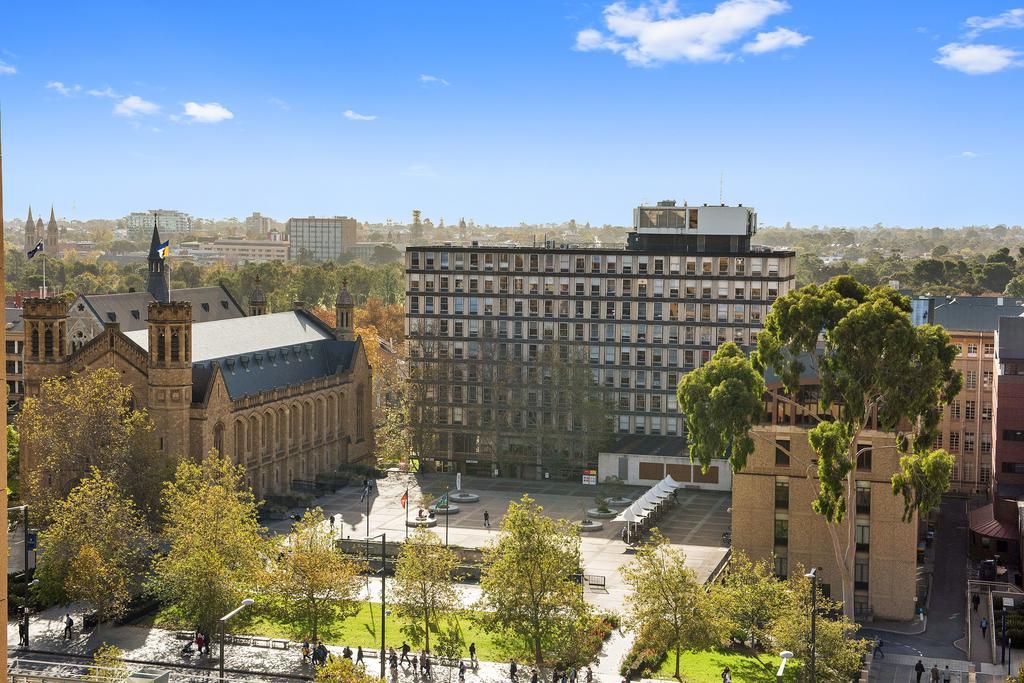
(30, 230)
(159, 283)
(52, 235)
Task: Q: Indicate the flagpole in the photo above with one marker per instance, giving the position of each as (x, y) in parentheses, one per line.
(447, 514)
(406, 506)
(44, 273)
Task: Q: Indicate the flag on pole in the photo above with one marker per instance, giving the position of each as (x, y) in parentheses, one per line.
(35, 250)
(164, 249)
(405, 498)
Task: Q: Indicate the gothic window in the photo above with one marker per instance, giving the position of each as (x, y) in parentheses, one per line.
(48, 342)
(175, 346)
(218, 438)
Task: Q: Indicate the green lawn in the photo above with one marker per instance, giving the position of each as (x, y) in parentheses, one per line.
(363, 629)
(706, 667)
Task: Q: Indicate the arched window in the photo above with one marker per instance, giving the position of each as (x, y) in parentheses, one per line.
(239, 441)
(254, 435)
(161, 353)
(35, 342)
(48, 342)
(218, 438)
(175, 346)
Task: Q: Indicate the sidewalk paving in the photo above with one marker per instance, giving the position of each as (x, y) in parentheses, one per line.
(159, 645)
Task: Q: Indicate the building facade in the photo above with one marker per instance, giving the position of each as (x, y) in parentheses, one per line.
(321, 239)
(481, 321)
(772, 516)
(257, 225)
(234, 250)
(168, 222)
(282, 394)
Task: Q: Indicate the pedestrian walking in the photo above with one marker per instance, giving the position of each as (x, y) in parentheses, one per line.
(425, 664)
(533, 678)
(359, 655)
(472, 652)
(347, 652)
(590, 674)
(512, 670)
(878, 649)
(23, 631)
(984, 625)
(572, 675)
(305, 650)
(565, 675)
(462, 671)
(726, 675)
(946, 675)
(935, 673)
(919, 669)
(206, 642)
(487, 519)
(68, 624)
(405, 652)
(415, 663)
(975, 601)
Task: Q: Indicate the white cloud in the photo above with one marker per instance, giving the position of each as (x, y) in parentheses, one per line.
(427, 78)
(356, 116)
(420, 171)
(656, 32)
(106, 92)
(210, 112)
(133, 106)
(65, 90)
(970, 155)
(279, 103)
(1013, 18)
(977, 60)
(7, 69)
(775, 40)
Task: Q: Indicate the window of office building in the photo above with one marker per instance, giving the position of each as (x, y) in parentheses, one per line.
(971, 379)
(782, 492)
(781, 529)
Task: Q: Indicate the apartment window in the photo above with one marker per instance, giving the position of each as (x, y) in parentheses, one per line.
(861, 607)
(985, 445)
(971, 380)
(863, 497)
(972, 350)
(781, 563)
(954, 442)
(954, 410)
(781, 530)
(782, 452)
(986, 379)
(968, 442)
(864, 457)
(781, 493)
(860, 573)
(985, 474)
(969, 410)
(862, 536)
(990, 350)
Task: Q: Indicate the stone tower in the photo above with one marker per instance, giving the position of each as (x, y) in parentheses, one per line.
(52, 243)
(170, 373)
(46, 352)
(159, 282)
(257, 299)
(30, 231)
(343, 310)
(40, 230)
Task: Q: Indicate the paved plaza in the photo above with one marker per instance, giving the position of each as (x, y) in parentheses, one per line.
(695, 524)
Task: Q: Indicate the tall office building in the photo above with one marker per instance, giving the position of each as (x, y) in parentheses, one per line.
(168, 222)
(320, 239)
(258, 226)
(485, 322)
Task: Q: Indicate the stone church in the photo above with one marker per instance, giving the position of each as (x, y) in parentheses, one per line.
(281, 393)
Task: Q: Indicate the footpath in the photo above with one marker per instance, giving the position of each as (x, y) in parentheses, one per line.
(249, 662)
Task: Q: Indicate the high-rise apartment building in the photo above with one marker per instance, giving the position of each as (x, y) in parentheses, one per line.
(485, 322)
(168, 222)
(258, 226)
(320, 239)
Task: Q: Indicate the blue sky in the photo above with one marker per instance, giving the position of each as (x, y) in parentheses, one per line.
(817, 112)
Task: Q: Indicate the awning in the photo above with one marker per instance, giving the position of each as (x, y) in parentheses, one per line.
(984, 523)
(626, 515)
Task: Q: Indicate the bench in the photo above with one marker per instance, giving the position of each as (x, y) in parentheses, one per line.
(279, 644)
(184, 635)
(595, 581)
(260, 642)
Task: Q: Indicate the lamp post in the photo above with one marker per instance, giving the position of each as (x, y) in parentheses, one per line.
(223, 628)
(24, 533)
(383, 585)
(786, 656)
(447, 514)
(813, 576)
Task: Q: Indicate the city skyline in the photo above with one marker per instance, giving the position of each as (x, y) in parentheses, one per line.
(569, 111)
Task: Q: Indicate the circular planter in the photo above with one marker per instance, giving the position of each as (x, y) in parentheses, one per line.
(621, 501)
(450, 510)
(463, 497)
(590, 525)
(594, 513)
(422, 523)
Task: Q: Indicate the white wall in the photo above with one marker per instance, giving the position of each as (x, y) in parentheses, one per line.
(608, 466)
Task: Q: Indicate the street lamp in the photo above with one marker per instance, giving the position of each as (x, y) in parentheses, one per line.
(383, 585)
(813, 576)
(223, 627)
(786, 656)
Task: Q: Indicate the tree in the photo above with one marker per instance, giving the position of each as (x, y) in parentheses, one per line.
(108, 665)
(311, 582)
(387, 318)
(1015, 287)
(13, 464)
(423, 587)
(215, 549)
(450, 644)
(668, 603)
(884, 372)
(87, 420)
(528, 589)
(993, 277)
(837, 651)
(343, 670)
(95, 547)
(752, 597)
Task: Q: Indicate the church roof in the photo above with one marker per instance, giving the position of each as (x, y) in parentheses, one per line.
(246, 335)
(252, 373)
(129, 308)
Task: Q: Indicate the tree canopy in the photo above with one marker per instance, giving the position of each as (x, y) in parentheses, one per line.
(423, 586)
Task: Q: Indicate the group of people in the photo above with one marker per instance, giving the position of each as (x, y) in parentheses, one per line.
(317, 652)
(560, 674)
(201, 640)
(946, 674)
